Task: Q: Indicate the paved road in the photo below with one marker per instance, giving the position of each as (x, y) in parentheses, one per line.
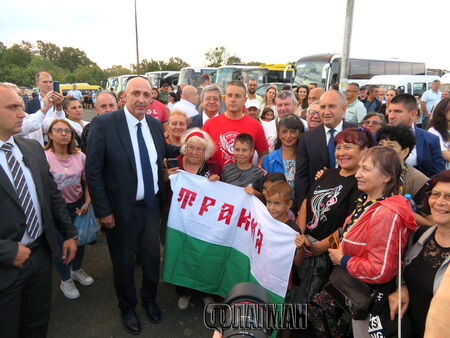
(95, 313)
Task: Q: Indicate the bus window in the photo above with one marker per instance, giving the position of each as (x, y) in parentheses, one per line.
(376, 68)
(405, 68)
(408, 88)
(418, 69)
(391, 67)
(419, 88)
(359, 69)
(401, 89)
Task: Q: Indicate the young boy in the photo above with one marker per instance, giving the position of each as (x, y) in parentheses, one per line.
(279, 202)
(242, 172)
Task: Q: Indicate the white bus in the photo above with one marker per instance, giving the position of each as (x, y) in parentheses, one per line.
(190, 76)
(445, 82)
(324, 69)
(164, 76)
(407, 84)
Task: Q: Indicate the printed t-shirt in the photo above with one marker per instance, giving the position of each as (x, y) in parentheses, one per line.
(223, 131)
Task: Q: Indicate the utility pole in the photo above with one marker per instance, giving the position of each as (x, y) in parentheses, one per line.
(137, 39)
(343, 79)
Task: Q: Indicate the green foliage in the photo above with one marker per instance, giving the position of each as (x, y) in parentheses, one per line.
(232, 60)
(216, 57)
(174, 63)
(116, 70)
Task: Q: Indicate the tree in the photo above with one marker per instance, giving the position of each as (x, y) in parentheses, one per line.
(234, 60)
(48, 50)
(91, 74)
(216, 57)
(71, 58)
(176, 63)
(254, 63)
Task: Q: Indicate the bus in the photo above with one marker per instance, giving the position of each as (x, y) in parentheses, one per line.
(263, 74)
(190, 76)
(445, 82)
(165, 76)
(324, 69)
(118, 83)
(405, 84)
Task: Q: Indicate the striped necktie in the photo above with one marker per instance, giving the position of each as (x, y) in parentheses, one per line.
(21, 187)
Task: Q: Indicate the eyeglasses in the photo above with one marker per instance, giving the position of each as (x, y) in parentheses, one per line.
(312, 112)
(197, 149)
(434, 195)
(375, 123)
(209, 98)
(61, 130)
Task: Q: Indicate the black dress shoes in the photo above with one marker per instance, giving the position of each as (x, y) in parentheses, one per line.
(131, 322)
(153, 312)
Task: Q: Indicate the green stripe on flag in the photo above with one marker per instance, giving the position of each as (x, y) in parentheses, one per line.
(206, 267)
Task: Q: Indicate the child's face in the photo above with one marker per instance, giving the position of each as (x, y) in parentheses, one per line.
(266, 187)
(242, 152)
(278, 207)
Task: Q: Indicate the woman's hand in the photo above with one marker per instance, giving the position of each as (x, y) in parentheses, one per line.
(214, 178)
(81, 211)
(300, 241)
(320, 173)
(393, 302)
(336, 255)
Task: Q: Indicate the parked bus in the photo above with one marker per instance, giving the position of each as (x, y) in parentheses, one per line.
(190, 76)
(118, 83)
(408, 84)
(278, 73)
(445, 82)
(167, 76)
(324, 69)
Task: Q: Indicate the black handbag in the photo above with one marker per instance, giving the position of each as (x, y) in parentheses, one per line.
(352, 295)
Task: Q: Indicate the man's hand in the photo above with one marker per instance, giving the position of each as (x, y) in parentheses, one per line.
(48, 102)
(57, 100)
(108, 221)
(69, 250)
(22, 255)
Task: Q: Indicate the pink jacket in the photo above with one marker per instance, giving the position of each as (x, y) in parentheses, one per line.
(372, 242)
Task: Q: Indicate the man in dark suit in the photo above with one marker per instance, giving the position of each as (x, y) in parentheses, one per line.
(33, 213)
(427, 155)
(316, 148)
(210, 104)
(124, 173)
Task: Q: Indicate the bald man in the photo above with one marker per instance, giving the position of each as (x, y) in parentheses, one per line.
(316, 148)
(188, 102)
(315, 94)
(124, 172)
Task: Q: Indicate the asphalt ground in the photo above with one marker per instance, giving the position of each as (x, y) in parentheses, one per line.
(95, 313)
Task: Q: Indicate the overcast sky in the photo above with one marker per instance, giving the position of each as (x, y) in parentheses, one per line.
(268, 31)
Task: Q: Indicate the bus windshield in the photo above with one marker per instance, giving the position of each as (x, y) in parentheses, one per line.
(224, 75)
(309, 71)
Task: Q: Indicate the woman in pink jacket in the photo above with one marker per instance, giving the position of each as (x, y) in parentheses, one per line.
(369, 246)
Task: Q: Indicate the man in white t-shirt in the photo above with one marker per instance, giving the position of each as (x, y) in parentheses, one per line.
(74, 92)
(428, 100)
(188, 102)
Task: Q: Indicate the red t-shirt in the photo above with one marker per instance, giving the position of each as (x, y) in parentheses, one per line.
(158, 111)
(223, 131)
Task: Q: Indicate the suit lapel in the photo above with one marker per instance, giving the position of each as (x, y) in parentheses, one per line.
(155, 136)
(7, 185)
(33, 166)
(419, 144)
(322, 140)
(124, 136)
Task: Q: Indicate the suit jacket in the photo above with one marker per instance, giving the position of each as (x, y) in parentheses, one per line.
(196, 121)
(55, 216)
(312, 156)
(33, 106)
(429, 155)
(111, 167)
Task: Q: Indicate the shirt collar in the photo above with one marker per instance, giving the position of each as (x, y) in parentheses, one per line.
(338, 128)
(189, 103)
(9, 140)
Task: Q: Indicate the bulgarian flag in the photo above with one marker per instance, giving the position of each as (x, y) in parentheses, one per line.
(218, 236)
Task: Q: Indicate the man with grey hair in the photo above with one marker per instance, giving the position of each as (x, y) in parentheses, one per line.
(316, 147)
(210, 102)
(105, 103)
(286, 104)
(188, 102)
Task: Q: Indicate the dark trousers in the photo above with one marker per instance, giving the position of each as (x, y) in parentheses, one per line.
(25, 305)
(139, 236)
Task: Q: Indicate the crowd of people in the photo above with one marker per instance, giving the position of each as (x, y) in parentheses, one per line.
(361, 181)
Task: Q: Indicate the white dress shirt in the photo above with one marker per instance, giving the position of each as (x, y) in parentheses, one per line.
(206, 118)
(186, 107)
(338, 129)
(153, 155)
(26, 239)
(270, 130)
(411, 160)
